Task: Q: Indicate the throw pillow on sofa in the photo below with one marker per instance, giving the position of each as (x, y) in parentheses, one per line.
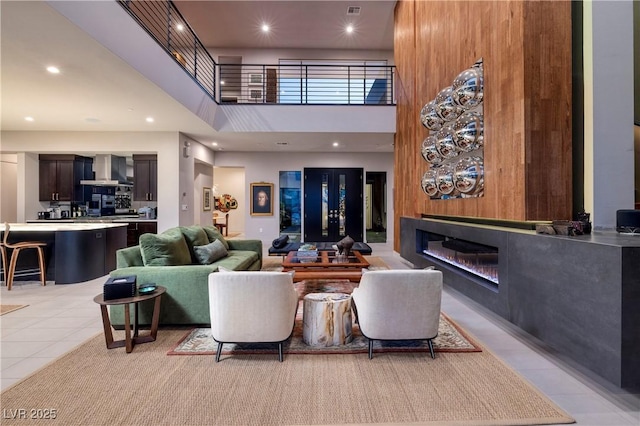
(214, 234)
(194, 236)
(167, 249)
(211, 252)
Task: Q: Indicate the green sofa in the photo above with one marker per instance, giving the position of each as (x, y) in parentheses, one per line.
(170, 260)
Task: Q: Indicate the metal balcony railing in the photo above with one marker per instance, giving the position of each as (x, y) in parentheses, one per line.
(307, 84)
(299, 84)
(163, 21)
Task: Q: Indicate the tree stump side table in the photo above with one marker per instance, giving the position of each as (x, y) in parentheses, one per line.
(326, 319)
(130, 341)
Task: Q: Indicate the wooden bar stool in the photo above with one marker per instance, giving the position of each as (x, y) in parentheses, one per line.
(9, 272)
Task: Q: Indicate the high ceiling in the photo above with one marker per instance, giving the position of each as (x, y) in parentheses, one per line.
(301, 24)
(97, 91)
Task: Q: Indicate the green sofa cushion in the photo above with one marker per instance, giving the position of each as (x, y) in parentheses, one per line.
(166, 249)
(238, 260)
(214, 234)
(211, 252)
(194, 236)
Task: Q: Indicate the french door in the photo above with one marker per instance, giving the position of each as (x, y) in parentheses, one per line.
(333, 205)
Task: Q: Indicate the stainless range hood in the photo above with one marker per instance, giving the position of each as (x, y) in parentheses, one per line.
(109, 170)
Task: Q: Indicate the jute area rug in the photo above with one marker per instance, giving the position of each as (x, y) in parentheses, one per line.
(5, 309)
(96, 386)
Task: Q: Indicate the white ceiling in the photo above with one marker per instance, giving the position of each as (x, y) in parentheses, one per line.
(97, 91)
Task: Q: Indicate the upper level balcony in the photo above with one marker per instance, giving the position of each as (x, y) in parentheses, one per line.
(286, 96)
(327, 82)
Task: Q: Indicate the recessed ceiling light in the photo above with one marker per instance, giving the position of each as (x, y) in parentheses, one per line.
(179, 27)
(265, 28)
(336, 144)
(214, 143)
(29, 119)
(53, 70)
(149, 119)
(349, 29)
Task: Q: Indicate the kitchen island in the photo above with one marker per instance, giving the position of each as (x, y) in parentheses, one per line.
(75, 252)
(136, 225)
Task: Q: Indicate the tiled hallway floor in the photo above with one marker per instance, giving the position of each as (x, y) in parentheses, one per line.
(60, 317)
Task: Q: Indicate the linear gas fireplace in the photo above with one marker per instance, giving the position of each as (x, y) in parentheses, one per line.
(477, 259)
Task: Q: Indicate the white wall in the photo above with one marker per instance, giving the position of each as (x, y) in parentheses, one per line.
(608, 105)
(8, 187)
(202, 159)
(266, 167)
(203, 178)
(231, 180)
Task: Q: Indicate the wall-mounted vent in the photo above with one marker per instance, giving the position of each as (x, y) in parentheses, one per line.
(353, 10)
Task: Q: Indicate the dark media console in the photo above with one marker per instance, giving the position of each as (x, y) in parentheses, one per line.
(578, 294)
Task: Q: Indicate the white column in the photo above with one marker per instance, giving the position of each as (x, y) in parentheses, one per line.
(608, 115)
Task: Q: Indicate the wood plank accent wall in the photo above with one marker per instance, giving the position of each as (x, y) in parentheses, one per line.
(526, 49)
(406, 173)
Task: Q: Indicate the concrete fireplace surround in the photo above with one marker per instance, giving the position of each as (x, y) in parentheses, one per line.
(580, 295)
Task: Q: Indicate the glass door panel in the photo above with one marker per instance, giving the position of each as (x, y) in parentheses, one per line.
(325, 205)
(291, 204)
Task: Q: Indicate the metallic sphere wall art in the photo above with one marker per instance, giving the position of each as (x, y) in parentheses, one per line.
(429, 183)
(445, 143)
(429, 117)
(454, 148)
(468, 175)
(444, 179)
(468, 87)
(469, 131)
(429, 151)
(446, 108)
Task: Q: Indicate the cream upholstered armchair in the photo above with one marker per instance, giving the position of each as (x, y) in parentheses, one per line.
(247, 307)
(399, 305)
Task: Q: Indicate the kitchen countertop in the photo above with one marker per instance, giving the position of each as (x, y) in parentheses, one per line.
(96, 219)
(60, 226)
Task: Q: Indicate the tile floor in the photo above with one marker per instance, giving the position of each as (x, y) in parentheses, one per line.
(61, 317)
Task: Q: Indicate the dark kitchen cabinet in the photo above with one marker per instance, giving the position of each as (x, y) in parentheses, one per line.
(135, 229)
(60, 177)
(145, 178)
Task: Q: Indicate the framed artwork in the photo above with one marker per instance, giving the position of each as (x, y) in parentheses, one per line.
(255, 79)
(255, 94)
(261, 199)
(207, 198)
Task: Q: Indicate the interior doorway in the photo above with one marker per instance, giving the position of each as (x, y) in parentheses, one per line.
(333, 204)
(376, 207)
(230, 78)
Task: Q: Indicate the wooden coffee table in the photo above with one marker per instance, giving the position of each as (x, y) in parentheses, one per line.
(327, 266)
(130, 341)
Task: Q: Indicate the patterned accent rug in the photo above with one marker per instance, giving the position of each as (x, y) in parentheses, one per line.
(451, 338)
(5, 309)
